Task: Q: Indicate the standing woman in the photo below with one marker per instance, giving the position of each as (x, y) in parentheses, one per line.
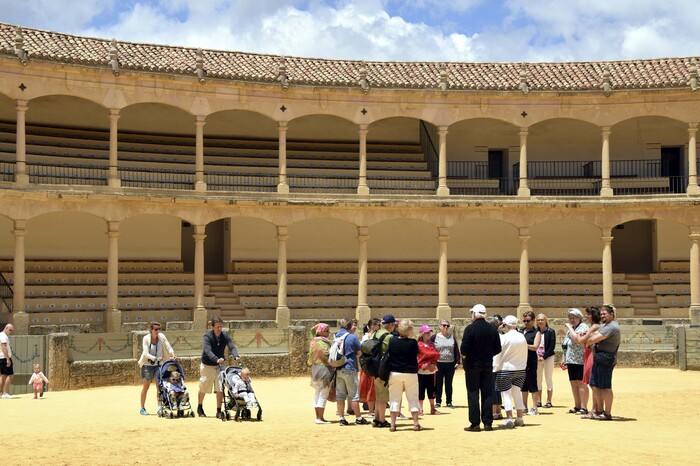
(403, 353)
(545, 358)
(449, 360)
(321, 373)
(367, 394)
(574, 360)
(149, 362)
(593, 319)
(428, 356)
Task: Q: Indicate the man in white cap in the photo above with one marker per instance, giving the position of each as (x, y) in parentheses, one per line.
(480, 343)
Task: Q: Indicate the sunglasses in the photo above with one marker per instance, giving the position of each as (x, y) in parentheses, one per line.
(527, 321)
(445, 325)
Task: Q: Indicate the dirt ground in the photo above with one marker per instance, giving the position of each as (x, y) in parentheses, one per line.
(653, 424)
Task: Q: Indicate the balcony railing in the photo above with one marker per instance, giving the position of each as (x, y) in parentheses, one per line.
(6, 293)
(156, 178)
(226, 181)
(81, 175)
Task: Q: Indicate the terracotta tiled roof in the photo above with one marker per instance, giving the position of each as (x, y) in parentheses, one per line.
(577, 76)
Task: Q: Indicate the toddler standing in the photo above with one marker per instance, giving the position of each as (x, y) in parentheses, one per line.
(37, 381)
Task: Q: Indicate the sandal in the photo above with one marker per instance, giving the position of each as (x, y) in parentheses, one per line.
(392, 428)
(548, 405)
(418, 428)
(582, 411)
(590, 415)
(435, 411)
(573, 410)
(603, 417)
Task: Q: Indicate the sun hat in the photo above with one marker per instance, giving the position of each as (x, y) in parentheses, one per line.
(511, 321)
(479, 309)
(575, 312)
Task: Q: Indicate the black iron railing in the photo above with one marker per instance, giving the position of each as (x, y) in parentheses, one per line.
(227, 181)
(83, 175)
(430, 149)
(157, 178)
(468, 169)
(6, 294)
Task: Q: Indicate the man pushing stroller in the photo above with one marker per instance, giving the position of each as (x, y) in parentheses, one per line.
(214, 345)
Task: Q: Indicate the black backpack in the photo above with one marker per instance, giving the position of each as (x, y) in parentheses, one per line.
(372, 355)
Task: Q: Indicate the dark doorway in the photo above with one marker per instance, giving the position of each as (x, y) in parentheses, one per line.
(632, 247)
(671, 163)
(213, 247)
(497, 168)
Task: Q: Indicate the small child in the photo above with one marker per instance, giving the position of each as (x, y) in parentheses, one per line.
(176, 392)
(244, 390)
(37, 381)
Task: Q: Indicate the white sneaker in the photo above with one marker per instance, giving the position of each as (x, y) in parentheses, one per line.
(319, 421)
(508, 424)
(533, 412)
(519, 422)
(401, 417)
(7, 396)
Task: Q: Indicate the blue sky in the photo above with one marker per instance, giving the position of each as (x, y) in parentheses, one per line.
(423, 30)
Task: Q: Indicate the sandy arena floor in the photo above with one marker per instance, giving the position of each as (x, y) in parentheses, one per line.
(654, 424)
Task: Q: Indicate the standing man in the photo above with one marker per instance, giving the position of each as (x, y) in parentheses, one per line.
(7, 372)
(213, 347)
(347, 379)
(480, 343)
(381, 389)
(606, 339)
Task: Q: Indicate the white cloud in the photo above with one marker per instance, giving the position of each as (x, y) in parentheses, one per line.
(64, 15)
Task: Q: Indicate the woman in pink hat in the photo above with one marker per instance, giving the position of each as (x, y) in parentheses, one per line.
(428, 356)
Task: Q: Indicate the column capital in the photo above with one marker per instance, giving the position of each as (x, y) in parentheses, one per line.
(523, 232)
(692, 128)
(443, 233)
(199, 230)
(20, 225)
(694, 233)
(200, 120)
(113, 226)
(607, 239)
(442, 130)
(524, 130)
(282, 126)
(282, 233)
(22, 105)
(363, 128)
(363, 233)
(605, 130)
(114, 114)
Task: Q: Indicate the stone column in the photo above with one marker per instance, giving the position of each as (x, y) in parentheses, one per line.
(443, 311)
(607, 267)
(113, 180)
(362, 188)
(693, 189)
(282, 317)
(605, 188)
(523, 189)
(59, 368)
(694, 275)
(363, 311)
(442, 189)
(524, 304)
(112, 315)
(20, 318)
(200, 183)
(21, 176)
(201, 317)
(283, 186)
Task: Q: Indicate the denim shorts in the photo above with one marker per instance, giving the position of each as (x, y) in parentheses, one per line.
(601, 377)
(346, 385)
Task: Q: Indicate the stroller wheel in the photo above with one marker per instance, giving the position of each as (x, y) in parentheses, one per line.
(191, 413)
(259, 416)
(171, 415)
(228, 416)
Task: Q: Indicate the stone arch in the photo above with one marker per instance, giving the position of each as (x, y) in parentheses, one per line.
(565, 239)
(69, 111)
(240, 124)
(403, 239)
(322, 238)
(157, 118)
(66, 235)
(481, 239)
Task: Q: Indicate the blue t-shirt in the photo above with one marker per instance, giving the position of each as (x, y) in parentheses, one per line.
(352, 346)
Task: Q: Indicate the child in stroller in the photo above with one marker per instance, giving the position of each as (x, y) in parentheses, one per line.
(174, 396)
(239, 393)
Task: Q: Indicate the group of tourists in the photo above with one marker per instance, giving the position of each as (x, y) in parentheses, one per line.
(505, 366)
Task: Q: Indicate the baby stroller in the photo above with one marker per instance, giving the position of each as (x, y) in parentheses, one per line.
(170, 410)
(235, 393)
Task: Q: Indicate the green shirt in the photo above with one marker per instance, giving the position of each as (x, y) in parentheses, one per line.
(378, 334)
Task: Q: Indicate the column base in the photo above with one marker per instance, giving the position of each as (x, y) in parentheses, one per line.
(200, 186)
(20, 320)
(606, 192)
(114, 183)
(362, 314)
(693, 190)
(523, 191)
(21, 178)
(283, 188)
(200, 319)
(443, 311)
(363, 190)
(112, 320)
(282, 317)
(694, 311)
(443, 191)
(522, 308)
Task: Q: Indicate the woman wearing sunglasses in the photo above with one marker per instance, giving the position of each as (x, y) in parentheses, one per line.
(447, 364)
